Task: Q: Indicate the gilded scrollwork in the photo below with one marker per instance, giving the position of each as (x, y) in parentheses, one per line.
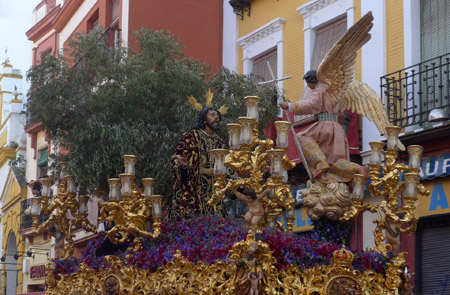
(180, 276)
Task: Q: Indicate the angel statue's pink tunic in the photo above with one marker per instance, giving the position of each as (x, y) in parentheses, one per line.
(324, 143)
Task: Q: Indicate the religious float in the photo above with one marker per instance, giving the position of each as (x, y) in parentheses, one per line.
(212, 255)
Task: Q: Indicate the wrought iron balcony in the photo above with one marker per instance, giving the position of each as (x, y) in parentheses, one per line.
(26, 221)
(411, 93)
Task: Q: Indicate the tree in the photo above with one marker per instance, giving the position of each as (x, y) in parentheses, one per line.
(100, 103)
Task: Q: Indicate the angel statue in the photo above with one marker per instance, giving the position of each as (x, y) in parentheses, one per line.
(332, 89)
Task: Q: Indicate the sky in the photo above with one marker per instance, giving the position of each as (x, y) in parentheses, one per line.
(15, 21)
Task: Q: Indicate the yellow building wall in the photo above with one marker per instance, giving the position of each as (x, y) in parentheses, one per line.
(264, 11)
(11, 224)
(395, 57)
(3, 138)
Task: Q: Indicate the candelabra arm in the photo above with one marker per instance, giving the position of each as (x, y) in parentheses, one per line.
(357, 208)
(88, 226)
(82, 220)
(220, 188)
(379, 238)
(111, 211)
(422, 190)
(45, 224)
(239, 161)
(118, 234)
(260, 161)
(376, 192)
(265, 144)
(48, 206)
(287, 163)
(143, 211)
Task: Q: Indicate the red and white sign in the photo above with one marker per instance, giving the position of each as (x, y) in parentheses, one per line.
(37, 271)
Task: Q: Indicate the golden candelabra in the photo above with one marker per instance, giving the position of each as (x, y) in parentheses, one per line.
(396, 212)
(65, 202)
(128, 211)
(248, 157)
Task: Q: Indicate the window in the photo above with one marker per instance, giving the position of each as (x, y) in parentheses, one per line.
(435, 32)
(114, 30)
(266, 41)
(260, 67)
(92, 22)
(42, 162)
(115, 10)
(326, 37)
(263, 45)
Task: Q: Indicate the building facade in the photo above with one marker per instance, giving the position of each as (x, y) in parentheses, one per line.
(406, 62)
(203, 27)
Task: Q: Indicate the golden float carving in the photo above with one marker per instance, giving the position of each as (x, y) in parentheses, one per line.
(230, 277)
(183, 277)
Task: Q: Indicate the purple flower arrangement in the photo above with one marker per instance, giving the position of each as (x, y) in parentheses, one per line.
(66, 267)
(332, 231)
(209, 239)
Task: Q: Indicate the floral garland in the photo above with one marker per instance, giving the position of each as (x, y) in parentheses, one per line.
(209, 239)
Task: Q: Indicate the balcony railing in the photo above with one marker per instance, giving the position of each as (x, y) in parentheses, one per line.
(26, 221)
(411, 93)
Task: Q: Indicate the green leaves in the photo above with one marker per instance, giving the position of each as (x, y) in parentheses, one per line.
(101, 103)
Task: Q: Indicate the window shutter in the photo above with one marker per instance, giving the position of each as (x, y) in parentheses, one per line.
(435, 28)
(260, 67)
(433, 257)
(326, 37)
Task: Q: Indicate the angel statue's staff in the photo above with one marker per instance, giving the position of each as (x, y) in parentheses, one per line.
(281, 99)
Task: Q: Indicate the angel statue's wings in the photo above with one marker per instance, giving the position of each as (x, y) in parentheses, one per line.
(337, 69)
(361, 98)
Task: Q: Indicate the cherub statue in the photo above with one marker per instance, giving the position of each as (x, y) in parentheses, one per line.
(255, 208)
(254, 279)
(332, 90)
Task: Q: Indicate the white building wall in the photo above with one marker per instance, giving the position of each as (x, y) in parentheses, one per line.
(125, 21)
(230, 36)
(373, 64)
(411, 29)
